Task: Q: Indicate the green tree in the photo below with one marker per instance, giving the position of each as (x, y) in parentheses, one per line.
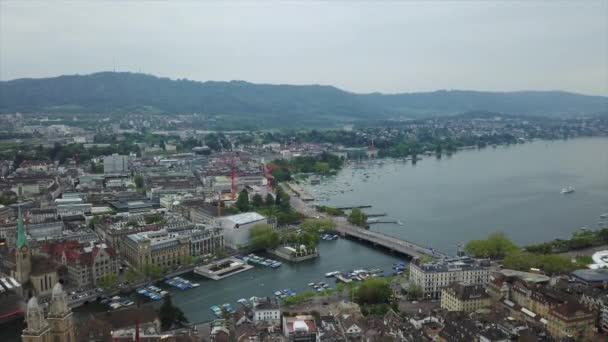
(152, 271)
(257, 201)
(520, 260)
(414, 292)
(357, 217)
(242, 202)
(107, 281)
(318, 225)
(373, 291)
(170, 315)
(495, 246)
(139, 181)
(132, 275)
(269, 200)
(262, 236)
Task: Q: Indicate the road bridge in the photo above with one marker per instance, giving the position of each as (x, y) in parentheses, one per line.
(389, 242)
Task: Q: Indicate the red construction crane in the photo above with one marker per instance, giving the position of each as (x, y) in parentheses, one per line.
(268, 169)
(233, 176)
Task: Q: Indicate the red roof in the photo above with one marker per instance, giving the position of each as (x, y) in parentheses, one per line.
(73, 251)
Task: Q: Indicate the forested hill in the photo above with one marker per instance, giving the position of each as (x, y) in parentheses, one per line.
(131, 92)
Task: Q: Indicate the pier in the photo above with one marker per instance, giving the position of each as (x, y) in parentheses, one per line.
(355, 206)
(343, 279)
(391, 243)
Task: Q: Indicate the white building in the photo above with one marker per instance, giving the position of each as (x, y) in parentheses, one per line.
(267, 310)
(432, 277)
(238, 227)
(115, 164)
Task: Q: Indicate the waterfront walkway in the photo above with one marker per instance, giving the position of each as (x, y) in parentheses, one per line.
(389, 242)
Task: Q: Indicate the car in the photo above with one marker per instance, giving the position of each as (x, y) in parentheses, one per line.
(99, 289)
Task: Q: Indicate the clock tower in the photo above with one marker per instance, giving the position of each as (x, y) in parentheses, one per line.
(23, 261)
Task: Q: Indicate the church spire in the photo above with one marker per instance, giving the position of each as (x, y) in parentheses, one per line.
(21, 238)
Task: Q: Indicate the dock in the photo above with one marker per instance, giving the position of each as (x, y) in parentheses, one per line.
(355, 206)
(300, 192)
(343, 279)
(222, 268)
(391, 243)
(376, 215)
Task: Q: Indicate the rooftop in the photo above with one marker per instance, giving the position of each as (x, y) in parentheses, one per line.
(525, 276)
(245, 218)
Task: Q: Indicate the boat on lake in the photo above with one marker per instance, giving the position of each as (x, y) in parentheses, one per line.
(568, 190)
(331, 274)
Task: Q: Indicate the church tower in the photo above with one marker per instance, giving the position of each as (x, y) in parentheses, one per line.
(37, 329)
(23, 255)
(60, 316)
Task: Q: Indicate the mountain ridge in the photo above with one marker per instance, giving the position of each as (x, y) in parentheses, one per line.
(129, 92)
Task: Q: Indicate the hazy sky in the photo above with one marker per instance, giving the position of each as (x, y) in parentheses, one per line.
(359, 46)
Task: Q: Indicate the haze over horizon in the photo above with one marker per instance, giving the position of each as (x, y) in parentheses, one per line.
(359, 47)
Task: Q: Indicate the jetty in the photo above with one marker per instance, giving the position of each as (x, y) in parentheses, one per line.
(391, 243)
(343, 279)
(354, 206)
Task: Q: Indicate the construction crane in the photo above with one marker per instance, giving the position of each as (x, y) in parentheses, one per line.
(268, 170)
(233, 175)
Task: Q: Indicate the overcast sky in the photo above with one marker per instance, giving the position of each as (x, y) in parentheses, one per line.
(402, 46)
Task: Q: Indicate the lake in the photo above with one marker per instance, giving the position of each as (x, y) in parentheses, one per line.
(512, 189)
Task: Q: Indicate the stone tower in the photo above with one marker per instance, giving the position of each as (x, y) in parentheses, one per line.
(23, 261)
(60, 316)
(37, 329)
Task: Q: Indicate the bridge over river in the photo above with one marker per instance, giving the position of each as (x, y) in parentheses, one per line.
(389, 242)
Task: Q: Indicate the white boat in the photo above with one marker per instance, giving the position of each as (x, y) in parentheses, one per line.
(567, 190)
(604, 215)
(331, 274)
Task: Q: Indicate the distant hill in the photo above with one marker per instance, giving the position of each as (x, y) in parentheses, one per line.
(132, 92)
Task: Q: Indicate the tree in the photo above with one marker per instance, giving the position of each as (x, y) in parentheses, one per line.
(373, 291)
(257, 201)
(496, 246)
(357, 217)
(132, 275)
(269, 200)
(318, 225)
(414, 292)
(262, 236)
(139, 181)
(242, 202)
(107, 281)
(152, 271)
(170, 315)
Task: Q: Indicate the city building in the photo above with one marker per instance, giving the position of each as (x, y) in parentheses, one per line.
(433, 276)
(464, 297)
(300, 328)
(58, 326)
(115, 164)
(237, 228)
(86, 263)
(159, 248)
(204, 240)
(267, 310)
(571, 319)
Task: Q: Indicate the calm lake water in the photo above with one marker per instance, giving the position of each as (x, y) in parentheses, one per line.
(513, 189)
(440, 203)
